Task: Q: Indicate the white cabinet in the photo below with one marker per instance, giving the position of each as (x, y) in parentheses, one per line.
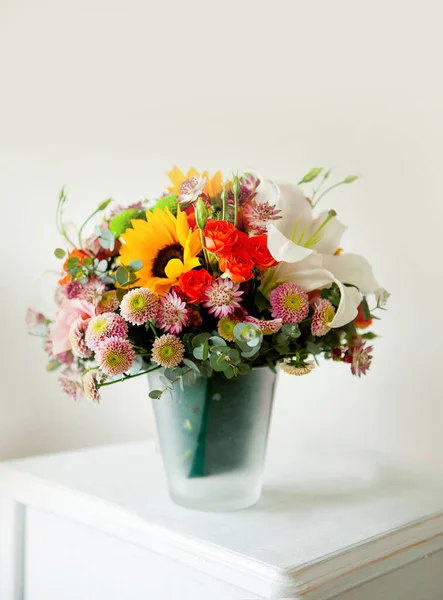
(98, 525)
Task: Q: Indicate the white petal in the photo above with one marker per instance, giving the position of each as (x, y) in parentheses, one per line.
(267, 191)
(350, 299)
(353, 270)
(296, 212)
(282, 249)
(331, 234)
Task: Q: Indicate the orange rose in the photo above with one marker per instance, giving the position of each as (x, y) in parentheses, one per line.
(237, 265)
(257, 247)
(220, 236)
(360, 321)
(193, 284)
(76, 253)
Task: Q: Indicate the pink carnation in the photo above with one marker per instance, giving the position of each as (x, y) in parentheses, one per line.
(69, 311)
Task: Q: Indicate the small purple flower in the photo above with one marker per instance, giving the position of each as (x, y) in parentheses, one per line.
(360, 358)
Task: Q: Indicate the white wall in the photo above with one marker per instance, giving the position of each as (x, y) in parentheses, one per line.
(105, 96)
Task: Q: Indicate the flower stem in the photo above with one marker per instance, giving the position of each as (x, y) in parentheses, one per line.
(128, 377)
(326, 191)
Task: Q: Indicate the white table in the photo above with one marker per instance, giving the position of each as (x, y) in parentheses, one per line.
(97, 524)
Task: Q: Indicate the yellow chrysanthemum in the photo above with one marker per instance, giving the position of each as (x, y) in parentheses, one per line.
(213, 185)
(165, 244)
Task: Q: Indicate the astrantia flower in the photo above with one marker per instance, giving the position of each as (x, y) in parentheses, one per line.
(266, 327)
(36, 323)
(222, 297)
(225, 328)
(259, 215)
(115, 355)
(92, 290)
(70, 382)
(72, 290)
(105, 326)
(213, 186)
(172, 314)
(290, 303)
(77, 333)
(165, 244)
(359, 357)
(139, 306)
(191, 189)
(168, 351)
(108, 303)
(322, 318)
(294, 369)
(90, 388)
(247, 191)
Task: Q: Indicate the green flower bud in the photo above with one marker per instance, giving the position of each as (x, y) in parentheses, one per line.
(201, 214)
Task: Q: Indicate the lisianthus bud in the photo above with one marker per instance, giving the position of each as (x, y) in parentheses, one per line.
(235, 186)
(201, 214)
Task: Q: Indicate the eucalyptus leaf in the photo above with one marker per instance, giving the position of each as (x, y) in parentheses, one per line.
(122, 275)
(59, 253)
(135, 265)
(155, 394)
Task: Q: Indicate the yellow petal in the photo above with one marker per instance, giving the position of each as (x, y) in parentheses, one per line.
(190, 264)
(174, 268)
(182, 227)
(177, 178)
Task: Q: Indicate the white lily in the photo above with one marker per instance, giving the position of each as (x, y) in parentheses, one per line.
(306, 250)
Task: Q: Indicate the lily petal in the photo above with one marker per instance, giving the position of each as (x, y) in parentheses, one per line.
(331, 233)
(282, 249)
(352, 269)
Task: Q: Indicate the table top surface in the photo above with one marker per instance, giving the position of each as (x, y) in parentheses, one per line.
(312, 508)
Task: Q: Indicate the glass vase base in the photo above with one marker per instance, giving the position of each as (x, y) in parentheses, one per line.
(205, 494)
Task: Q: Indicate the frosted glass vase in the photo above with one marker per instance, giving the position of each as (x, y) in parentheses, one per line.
(213, 438)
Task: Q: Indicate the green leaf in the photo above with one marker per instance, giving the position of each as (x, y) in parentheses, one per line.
(53, 365)
(200, 339)
(122, 276)
(87, 262)
(72, 262)
(313, 348)
(261, 302)
(291, 331)
(311, 175)
(155, 394)
(59, 253)
(370, 335)
(215, 340)
(244, 368)
(365, 309)
(136, 265)
(191, 365)
(173, 373)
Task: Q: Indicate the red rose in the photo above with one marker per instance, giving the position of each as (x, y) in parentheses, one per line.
(193, 284)
(360, 321)
(237, 265)
(258, 249)
(220, 236)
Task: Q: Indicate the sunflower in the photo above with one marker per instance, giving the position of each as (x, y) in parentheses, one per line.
(212, 188)
(165, 244)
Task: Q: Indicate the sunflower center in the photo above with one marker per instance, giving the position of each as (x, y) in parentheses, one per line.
(164, 256)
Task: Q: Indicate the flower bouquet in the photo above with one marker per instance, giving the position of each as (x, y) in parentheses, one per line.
(208, 289)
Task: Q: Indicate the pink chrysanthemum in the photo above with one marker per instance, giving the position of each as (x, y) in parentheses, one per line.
(92, 290)
(90, 385)
(108, 303)
(172, 314)
(259, 214)
(298, 370)
(105, 326)
(168, 351)
(322, 318)
(225, 328)
(360, 358)
(71, 385)
(290, 303)
(266, 327)
(222, 297)
(77, 340)
(139, 306)
(115, 355)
